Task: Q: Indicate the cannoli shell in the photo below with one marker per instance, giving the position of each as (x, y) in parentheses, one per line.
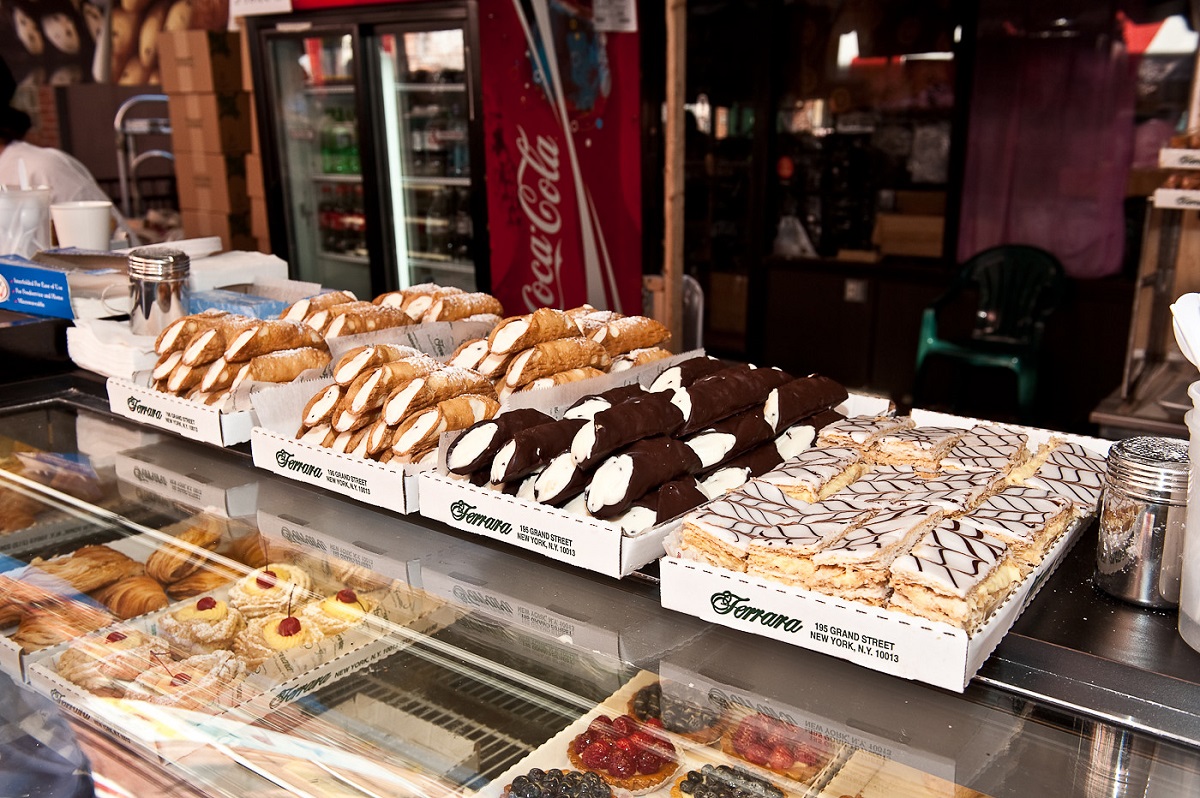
(562, 378)
(418, 298)
(630, 474)
(469, 353)
(345, 421)
(638, 357)
(521, 332)
(361, 358)
(533, 448)
(624, 423)
(494, 366)
(271, 335)
(726, 392)
(209, 344)
(165, 365)
(592, 322)
(682, 375)
(367, 319)
(176, 334)
(379, 437)
(437, 386)
(453, 307)
(498, 431)
(372, 388)
(183, 378)
(419, 431)
(303, 308)
(320, 319)
(801, 398)
(550, 357)
(589, 406)
(322, 406)
(630, 332)
(219, 375)
(283, 366)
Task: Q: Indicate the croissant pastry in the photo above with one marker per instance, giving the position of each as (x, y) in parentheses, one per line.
(90, 567)
(132, 597)
(172, 562)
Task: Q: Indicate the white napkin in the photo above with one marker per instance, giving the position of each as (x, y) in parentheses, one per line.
(109, 348)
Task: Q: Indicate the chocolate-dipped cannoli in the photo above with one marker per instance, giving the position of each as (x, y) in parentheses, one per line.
(303, 308)
(560, 481)
(720, 395)
(321, 407)
(209, 344)
(219, 375)
(521, 332)
(532, 448)
(587, 407)
(682, 375)
(801, 398)
(730, 437)
(475, 448)
(283, 366)
(764, 457)
(549, 357)
(421, 430)
(561, 378)
(426, 390)
(630, 474)
(176, 334)
(321, 318)
(453, 307)
(271, 335)
(372, 388)
(622, 424)
(638, 357)
(418, 298)
(630, 332)
(165, 365)
(363, 358)
(660, 505)
(377, 317)
(469, 354)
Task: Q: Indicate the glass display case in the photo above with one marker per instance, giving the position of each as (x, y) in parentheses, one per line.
(379, 654)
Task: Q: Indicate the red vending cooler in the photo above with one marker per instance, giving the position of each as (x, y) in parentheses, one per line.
(488, 145)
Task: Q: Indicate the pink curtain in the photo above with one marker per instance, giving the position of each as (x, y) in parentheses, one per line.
(1049, 148)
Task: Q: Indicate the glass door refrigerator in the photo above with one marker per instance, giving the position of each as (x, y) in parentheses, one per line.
(368, 128)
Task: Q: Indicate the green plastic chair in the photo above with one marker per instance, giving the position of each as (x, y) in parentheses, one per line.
(1018, 286)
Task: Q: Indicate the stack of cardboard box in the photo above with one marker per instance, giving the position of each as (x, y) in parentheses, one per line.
(210, 133)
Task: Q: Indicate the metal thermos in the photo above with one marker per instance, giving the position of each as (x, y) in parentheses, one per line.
(158, 288)
(1142, 518)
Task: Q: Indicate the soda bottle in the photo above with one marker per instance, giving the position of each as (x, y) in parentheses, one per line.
(461, 249)
(437, 223)
(351, 163)
(325, 139)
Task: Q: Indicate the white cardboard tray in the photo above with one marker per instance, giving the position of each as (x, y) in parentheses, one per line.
(172, 413)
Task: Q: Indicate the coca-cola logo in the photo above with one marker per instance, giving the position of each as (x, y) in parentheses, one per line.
(539, 198)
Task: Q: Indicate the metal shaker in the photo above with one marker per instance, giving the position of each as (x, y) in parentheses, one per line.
(1139, 554)
(158, 288)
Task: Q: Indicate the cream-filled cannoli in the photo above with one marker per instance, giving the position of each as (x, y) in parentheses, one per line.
(561, 378)
(271, 335)
(318, 434)
(474, 450)
(724, 393)
(560, 481)
(681, 375)
(176, 335)
(303, 308)
(183, 378)
(593, 320)
(370, 389)
(494, 366)
(379, 437)
(630, 332)
(638, 357)
(219, 375)
(283, 366)
(550, 357)
(453, 307)
(622, 424)
(165, 365)
(209, 344)
(320, 319)
(368, 319)
(418, 298)
(321, 407)
(345, 421)
(469, 354)
(532, 448)
(587, 407)
(801, 398)
(427, 390)
(629, 475)
(521, 332)
(730, 437)
(363, 358)
(417, 433)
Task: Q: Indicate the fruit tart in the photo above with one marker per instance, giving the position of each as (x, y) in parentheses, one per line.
(778, 746)
(339, 612)
(689, 718)
(201, 626)
(723, 781)
(270, 589)
(555, 783)
(628, 755)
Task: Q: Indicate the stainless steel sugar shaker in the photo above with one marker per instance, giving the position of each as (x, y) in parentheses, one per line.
(1139, 554)
(158, 288)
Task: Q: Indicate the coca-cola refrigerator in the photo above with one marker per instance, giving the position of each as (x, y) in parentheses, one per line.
(369, 131)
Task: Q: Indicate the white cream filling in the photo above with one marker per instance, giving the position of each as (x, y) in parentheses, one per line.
(318, 320)
(358, 402)
(336, 326)
(470, 445)
(212, 374)
(171, 335)
(771, 409)
(588, 408)
(164, 369)
(393, 300)
(492, 363)
(577, 505)
(471, 356)
(711, 447)
(501, 461)
(667, 381)
(419, 305)
(178, 376)
(554, 477)
(507, 336)
(341, 442)
(526, 490)
(610, 482)
(195, 349)
(795, 440)
(420, 429)
(683, 400)
(297, 311)
(636, 520)
(243, 338)
(376, 437)
(724, 480)
(320, 409)
(583, 442)
(346, 373)
(517, 366)
(400, 402)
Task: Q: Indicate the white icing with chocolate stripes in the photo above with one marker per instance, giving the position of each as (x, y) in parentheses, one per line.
(814, 468)
(951, 558)
(986, 448)
(746, 512)
(859, 431)
(1016, 514)
(1074, 456)
(878, 540)
(811, 531)
(1076, 485)
(917, 441)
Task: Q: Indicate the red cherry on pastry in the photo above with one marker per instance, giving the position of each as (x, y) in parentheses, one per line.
(289, 626)
(266, 580)
(180, 679)
(115, 637)
(206, 603)
(347, 596)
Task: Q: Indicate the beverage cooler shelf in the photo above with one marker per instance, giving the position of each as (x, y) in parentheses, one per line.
(425, 261)
(330, 88)
(430, 183)
(334, 177)
(408, 88)
(343, 257)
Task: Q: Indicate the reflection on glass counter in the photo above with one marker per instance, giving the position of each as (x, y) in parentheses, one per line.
(253, 637)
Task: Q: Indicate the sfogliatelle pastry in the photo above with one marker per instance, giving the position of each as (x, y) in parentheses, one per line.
(337, 613)
(201, 626)
(133, 596)
(55, 622)
(269, 590)
(174, 561)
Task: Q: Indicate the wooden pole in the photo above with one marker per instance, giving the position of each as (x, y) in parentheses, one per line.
(673, 146)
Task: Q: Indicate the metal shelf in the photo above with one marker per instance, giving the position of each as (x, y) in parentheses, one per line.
(333, 177)
(406, 88)
(450, 266)
(434, 182)
(344, 258)
(335, 88)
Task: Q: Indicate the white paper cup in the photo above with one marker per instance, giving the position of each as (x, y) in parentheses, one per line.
(86, 224)
(24, 220)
